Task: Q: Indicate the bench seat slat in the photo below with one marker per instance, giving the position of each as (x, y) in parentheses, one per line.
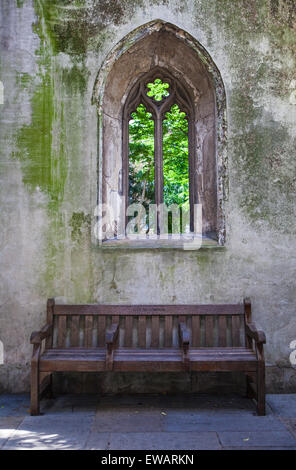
(171, 359)
(222, 359)
(153, 360)
(73, 359)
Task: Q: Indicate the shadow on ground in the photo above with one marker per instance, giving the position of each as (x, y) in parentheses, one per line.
(154, 422)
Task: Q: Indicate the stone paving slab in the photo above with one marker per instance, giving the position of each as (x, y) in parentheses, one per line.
(203, 403)
(8, 424)
(147, 422)
(69, 404)
(65, 431)
(283, 405)
(14, 405)
(194, 421)
(128, 421)
(129, 401)
(290, 424)
(258, 439)
(264, 448)
(162, 441)
(210, 403)
(215, 402)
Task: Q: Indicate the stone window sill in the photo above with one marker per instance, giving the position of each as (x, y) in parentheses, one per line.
(182, 243)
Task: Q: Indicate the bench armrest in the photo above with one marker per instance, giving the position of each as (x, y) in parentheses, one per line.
(112, 334)
(38, 336)
(184, 337)
(254, 333)
(111, 339)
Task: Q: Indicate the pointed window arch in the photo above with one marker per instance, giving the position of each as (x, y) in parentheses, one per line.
(127, 80)
(158, 93)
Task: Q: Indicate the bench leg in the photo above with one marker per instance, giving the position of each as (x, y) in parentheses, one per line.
(45, 385)
(50, 388)
(35, 404)
(249, 388)
(261, 389)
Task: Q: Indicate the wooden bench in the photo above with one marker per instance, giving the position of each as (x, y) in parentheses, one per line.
(152, 338)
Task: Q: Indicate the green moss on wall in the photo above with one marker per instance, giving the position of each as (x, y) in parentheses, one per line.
(24, 80)
(43, 167)
(79, 222)
(75, 78)
(41, 144)
(261, 48)
(74, 26)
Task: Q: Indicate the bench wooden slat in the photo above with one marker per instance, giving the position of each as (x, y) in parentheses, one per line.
(50, 319)
(74, 331)
(182, 319)
(196, 331)
(137, 310)
(142, 332)
(155, 331)
(128, 339)
(135, 350)
(101, 330)
(168, 331)
(209, 331)
(78, 359)
(62, 331)
(222, 325)
(88, 328)
(235, 326)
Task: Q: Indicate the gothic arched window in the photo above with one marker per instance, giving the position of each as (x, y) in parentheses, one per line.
(158, 147)
(161, 138)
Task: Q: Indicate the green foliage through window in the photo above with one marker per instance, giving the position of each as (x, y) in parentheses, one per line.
(158, 89)
(175, 158)
(141, 157)
(175, 155)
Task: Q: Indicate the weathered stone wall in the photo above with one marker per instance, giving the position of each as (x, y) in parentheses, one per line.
(51, 52)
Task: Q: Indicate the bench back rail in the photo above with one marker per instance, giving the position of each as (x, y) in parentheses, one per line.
(148, 326)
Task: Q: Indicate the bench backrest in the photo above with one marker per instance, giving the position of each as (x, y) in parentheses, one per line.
(146, 326)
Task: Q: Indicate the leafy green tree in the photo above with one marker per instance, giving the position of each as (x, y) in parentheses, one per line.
(158, 90)
(175, 158)
(175, 153)
(141, 157)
